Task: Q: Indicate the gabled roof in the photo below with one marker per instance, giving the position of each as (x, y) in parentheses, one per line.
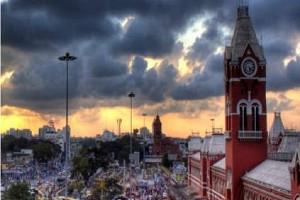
(277, 127)
(290, 142)
(296, 158)
(220, 164)
(243, 36)
(214, 144)
(217, 144)
(195, 144)
(271, 173)
(196, 156)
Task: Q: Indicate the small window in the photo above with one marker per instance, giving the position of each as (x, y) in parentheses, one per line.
(255, 117)
(243, 116)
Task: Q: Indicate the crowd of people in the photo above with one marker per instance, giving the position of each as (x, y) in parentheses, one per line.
(38, 175)
(147, 184)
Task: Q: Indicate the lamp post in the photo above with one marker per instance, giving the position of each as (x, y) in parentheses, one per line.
(131, 95)
(67, 57)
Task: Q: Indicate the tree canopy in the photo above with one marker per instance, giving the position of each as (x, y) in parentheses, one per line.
(43, 150)
(18, 191)
(90, 159)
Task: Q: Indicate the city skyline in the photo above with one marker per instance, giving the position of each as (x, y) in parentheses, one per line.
(175, 70)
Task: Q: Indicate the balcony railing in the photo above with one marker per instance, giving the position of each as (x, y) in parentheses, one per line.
(250, 135)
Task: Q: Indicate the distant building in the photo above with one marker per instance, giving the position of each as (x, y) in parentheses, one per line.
(20, 133)
(163, 145)
(212, 151)
(107, 136)
(23, 157)
(48, 132)
(145, 134)
(182, 145)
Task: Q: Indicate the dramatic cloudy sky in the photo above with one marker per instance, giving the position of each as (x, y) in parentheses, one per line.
(169, 52)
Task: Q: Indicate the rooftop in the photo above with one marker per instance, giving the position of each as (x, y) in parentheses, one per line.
(290, 142)
(214, 144)
(243, 36)
(196, 156)
(277, 127)
(271, 173)
(220, 164)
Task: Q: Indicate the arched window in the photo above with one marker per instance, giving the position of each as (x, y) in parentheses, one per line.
(255, 117)
(243, 116)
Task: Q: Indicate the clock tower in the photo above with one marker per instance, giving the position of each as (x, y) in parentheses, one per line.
(245, 104)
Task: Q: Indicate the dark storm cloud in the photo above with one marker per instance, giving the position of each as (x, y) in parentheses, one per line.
(275, 16)
(34, 32)
(293, 71)
(40, 25)
(40, 29)
(147, 37)
(102, 64)
(207, 43)
(151, 85)
(41, 87)
(202, 84)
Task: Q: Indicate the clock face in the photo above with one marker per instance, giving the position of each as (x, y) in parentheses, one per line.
(249, 67)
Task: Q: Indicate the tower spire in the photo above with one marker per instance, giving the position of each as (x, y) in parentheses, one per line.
(243, 3)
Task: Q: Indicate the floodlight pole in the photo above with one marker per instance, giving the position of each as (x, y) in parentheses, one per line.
(131, 95)
(67, 57)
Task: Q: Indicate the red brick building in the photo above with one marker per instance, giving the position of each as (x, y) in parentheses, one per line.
(245, 170)
(161, 144)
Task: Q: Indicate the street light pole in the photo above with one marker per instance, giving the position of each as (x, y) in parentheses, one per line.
(131, 95)
(67, 57)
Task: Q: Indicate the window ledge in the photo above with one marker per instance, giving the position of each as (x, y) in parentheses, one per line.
(250, 135)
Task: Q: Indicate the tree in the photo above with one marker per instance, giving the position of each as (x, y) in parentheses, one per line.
(43, 151)
(18, 191)
(90, 159)
(81, 168)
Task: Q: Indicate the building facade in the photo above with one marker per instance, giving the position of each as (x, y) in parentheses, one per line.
(245, 103)
(246, 170)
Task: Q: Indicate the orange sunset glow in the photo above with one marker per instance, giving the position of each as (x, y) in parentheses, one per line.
(90, 122)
